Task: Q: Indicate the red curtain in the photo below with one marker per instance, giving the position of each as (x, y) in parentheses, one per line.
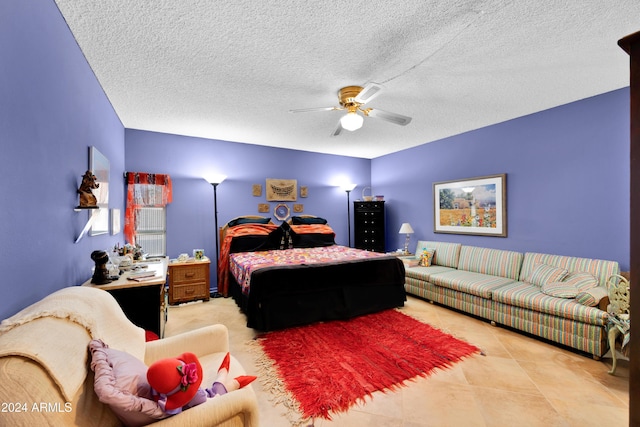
(144, 190)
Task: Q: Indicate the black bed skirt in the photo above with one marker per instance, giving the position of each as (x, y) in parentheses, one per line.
(299, 295)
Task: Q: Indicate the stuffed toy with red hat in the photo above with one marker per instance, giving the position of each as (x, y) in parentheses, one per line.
(175, 382)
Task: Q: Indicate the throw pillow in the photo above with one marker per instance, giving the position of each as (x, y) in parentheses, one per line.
(543, 273)
(560, 289)
(426, 256)
(120, 381)
(591, 297)
(581, 280)
(300, 220)
(248, 220)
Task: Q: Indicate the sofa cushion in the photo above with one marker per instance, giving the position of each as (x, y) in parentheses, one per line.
(559, 289)
(494, 262)
(531, 297)
(478, 284)
(543, 274)
(581, 280)
(425, 273)
(592, 296)
(447, 254)
(600, 269)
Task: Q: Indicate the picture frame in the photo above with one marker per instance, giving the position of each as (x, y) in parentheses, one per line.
(281, 190)
(115, 221)
(475, 206)
(99, 166)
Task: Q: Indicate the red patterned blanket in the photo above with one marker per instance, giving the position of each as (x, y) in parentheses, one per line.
(244, 263)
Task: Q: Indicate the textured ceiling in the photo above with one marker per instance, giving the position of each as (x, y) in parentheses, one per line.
(232, 70)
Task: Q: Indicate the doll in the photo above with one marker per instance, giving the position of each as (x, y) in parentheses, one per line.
(175, 382)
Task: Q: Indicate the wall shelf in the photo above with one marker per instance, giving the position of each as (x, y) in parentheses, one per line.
(92, 217)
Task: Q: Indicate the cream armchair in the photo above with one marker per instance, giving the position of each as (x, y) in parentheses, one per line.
(45, 375)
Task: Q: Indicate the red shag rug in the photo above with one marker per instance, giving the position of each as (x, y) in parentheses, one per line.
(324, 368)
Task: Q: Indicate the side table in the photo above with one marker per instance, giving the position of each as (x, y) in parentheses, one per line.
(189, 281)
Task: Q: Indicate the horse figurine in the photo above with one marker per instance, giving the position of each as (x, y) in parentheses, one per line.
(87, 199)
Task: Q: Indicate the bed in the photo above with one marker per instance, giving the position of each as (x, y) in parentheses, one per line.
(294, 273)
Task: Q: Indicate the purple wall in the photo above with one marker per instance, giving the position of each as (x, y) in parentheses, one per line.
(190, 218)
(567, 180)
(568, 169)
(51, 110)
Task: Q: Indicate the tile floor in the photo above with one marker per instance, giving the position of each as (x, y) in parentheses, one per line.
(521, 381)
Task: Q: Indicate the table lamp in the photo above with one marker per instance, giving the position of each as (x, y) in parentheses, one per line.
(405, 228)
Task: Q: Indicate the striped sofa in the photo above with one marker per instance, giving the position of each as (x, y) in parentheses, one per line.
(504, 287)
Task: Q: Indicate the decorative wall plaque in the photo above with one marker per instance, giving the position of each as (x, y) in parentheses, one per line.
(304, 191)
(263, 207)
(281, 211)
(298, 207)
(256, 190)
(282, 190)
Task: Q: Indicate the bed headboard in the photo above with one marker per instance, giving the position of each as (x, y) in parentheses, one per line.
(255, 233)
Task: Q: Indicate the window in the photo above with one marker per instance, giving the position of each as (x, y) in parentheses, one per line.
(151, 230)
(146, 214)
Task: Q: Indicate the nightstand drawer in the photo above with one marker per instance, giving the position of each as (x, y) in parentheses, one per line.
(190, 292)
(188, 273)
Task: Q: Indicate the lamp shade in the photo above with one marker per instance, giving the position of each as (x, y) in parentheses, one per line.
(348, 186)
(215, 178)
(351, 121)
(405, 228)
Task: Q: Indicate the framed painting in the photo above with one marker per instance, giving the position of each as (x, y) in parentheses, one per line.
(471, 206)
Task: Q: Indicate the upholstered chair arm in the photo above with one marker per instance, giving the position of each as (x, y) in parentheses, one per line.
(202, 341)
(215, 411)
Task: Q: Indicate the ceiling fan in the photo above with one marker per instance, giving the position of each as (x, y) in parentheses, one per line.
(351, 99)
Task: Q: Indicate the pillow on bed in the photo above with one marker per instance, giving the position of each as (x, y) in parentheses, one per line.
(120, 381)
(248, 220)
(300, 220)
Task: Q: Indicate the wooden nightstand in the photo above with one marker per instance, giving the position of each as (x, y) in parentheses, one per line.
(189, 281)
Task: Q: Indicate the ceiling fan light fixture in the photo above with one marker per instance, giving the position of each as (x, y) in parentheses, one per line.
(351, 121)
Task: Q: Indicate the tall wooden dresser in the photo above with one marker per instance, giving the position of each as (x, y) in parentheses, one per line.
(368, 221)
(189, 281)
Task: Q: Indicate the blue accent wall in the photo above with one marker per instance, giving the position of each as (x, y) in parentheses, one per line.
(567, 180)
(567, 170)
(51, 110)
(190, 218)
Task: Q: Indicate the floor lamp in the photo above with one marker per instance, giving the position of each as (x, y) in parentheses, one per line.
(348, 188)
(215, 181)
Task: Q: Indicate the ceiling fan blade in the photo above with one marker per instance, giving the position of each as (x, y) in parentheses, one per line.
(370, 91)
(311, 110)
(338, 130)
(395, 118)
